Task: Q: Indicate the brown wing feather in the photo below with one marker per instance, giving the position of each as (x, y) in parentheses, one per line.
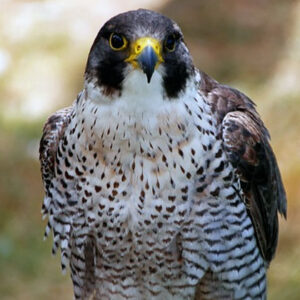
(246, 142)
(53, 131)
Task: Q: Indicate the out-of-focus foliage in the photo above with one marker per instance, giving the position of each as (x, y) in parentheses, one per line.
(235, 40)
(252, 45)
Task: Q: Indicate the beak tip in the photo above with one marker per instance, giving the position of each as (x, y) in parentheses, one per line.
(149, 77)
(147, 61)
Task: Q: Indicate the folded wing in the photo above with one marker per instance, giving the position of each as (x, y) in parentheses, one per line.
(246, 143)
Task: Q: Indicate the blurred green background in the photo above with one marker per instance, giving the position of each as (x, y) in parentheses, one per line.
(252, 45)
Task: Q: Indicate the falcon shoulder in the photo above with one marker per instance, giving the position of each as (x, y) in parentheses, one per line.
(53, 131)
(246, 143)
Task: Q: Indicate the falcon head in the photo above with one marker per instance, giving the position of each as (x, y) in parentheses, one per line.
(139, 49)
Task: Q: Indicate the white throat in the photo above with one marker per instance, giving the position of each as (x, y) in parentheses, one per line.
(141, 104)
(137, 94)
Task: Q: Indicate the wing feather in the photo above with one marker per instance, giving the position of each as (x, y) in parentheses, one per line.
(53, 131)
(60, 218)
(246, 143)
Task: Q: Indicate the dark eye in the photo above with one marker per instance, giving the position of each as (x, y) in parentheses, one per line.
(117, 42)
(170, 42)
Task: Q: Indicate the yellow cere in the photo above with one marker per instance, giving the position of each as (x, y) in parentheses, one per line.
(139, 45)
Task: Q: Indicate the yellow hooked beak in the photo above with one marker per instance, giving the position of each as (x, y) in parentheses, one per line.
(146, 54)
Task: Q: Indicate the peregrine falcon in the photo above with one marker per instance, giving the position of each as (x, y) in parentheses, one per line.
(160, 182)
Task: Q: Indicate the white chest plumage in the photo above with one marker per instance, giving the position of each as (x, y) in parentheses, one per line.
(144, 189)
(141, 162)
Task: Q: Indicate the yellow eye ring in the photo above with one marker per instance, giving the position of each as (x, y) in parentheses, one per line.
(117, 42)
